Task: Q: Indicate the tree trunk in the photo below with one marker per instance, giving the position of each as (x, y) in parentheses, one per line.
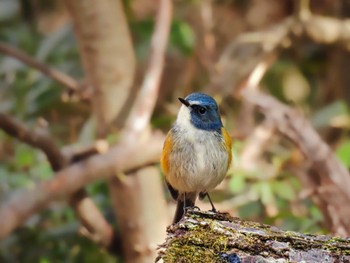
(138, 213)
(109, 61)
(107, 54)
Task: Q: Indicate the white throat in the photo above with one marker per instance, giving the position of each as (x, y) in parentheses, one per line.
(184, 118)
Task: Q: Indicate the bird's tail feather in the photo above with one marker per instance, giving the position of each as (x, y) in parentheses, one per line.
(180, 208)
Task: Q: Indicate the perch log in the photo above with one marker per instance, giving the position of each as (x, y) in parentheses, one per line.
(214, 237)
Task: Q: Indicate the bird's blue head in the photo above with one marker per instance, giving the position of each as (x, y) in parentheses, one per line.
(203, 111)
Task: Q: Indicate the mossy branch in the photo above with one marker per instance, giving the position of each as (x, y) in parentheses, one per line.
(214, 237)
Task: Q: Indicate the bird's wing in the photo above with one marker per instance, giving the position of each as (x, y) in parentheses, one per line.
(228, 145)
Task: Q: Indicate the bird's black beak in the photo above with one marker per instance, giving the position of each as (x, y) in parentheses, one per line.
(184, 102)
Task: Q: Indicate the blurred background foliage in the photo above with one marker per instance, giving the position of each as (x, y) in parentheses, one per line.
(300, 77)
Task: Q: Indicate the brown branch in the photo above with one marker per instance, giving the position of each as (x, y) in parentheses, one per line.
(24, 203)
(94, 224)
(141, 113)
(60, 77)
(244, 53)
(37, 138)
(86, 210)
(326, 195)
(255, 145)
(327, 30)
(82, 153)
(326, 169)
(250, 52)
(298, 129)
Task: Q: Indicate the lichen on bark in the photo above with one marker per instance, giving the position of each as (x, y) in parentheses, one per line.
(214, 237)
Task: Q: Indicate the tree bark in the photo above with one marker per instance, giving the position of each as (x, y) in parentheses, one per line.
(107, 54)
(214, 237)
(138, 209)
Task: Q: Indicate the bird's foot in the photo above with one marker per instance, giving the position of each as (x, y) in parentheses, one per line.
(196, 208)
(213, 210)
(192, 208)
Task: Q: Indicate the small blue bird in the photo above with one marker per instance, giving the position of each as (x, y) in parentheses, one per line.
(196, 153)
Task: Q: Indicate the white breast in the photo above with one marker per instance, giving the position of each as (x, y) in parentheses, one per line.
(198, 160)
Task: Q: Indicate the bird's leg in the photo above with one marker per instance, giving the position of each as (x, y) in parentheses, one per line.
(184, 202)
(213, 209)
(188, 203)
(185, 207)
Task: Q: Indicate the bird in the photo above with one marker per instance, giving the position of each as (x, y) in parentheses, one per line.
(196, 152)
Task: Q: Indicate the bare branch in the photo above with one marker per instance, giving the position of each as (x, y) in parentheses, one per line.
(37, 138)
(91, 218)
(327, 30)
(94, 224)
(248, 57)
(328, 173)
(244, 53)
(256, 143)
(60, 77)
(24, 203)
(141, 113)
(82, 153)
(298, 129)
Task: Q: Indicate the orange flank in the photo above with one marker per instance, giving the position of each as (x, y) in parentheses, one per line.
(228, 144)
(164, 161)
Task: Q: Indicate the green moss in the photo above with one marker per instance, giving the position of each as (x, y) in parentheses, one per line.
(189, 253)
(337, 245)
(197, 245)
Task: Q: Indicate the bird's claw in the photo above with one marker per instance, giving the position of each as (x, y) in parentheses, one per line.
(193, 208)
(213, 210)
(196, 208)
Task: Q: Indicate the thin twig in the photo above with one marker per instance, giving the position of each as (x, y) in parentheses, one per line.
(60, 77)
(141, 113)
(302, 9)
(37, 138)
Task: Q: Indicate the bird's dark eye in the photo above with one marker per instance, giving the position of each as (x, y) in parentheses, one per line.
(202, 110)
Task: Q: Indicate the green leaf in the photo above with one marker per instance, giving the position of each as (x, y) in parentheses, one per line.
(283, 190)
(267, 196)
(24, 156)
(250, 210)
(265, 191)
(334, 113)
(316, 213)
(237, 183)
(44, 260)
(41, 170)
(182, 37)
(343, 153)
